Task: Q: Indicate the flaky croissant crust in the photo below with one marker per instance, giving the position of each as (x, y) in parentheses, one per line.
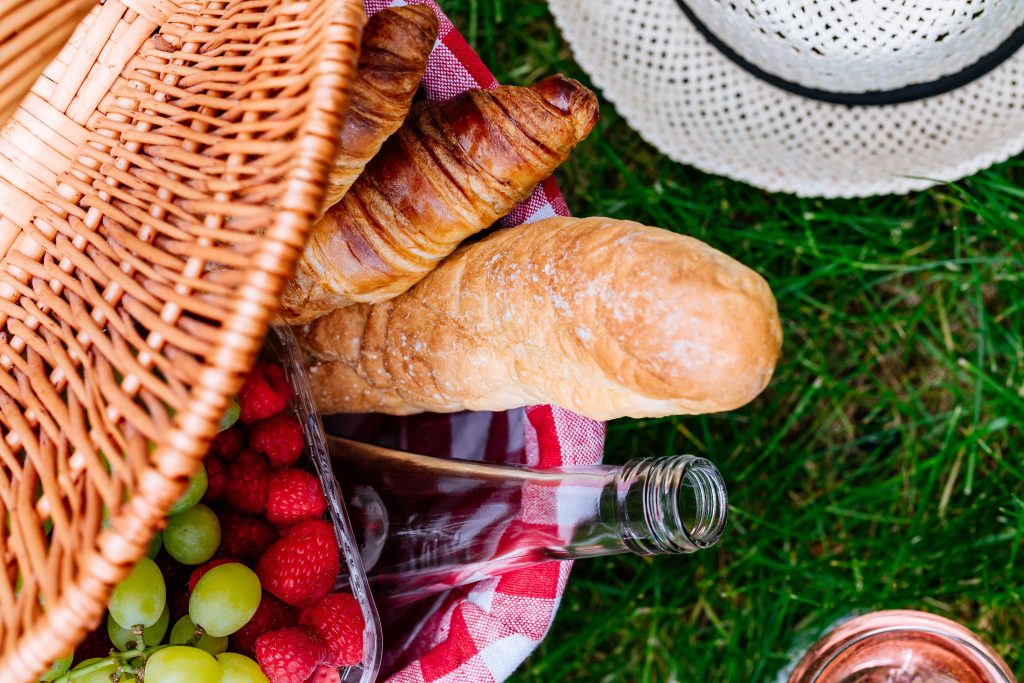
(452, 169)
(396, 45)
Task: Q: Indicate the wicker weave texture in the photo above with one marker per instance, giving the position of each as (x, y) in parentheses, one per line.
(31, 34)
(156, 186)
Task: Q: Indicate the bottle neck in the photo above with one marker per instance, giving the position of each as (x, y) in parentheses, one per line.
(650, 506)
(426, 524)
(671, 505)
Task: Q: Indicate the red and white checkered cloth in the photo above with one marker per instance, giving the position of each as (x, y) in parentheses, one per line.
(483, 632)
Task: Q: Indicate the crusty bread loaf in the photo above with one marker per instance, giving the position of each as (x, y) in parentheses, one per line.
(604, 317)
(396, 44)
(452, 169)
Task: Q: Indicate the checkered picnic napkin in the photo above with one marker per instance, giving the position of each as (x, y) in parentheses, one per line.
(483, 632)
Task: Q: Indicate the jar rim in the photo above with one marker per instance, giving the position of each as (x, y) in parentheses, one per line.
(858, 630)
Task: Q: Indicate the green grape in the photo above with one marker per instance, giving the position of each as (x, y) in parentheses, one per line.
(155, 545)
(58, 668)
(231, 415)
(100, 675)
(236, 668)
(151, 635)
(193, 494)
(225, 599)
(193, 536)
(181, 664)
(141, 597)
(183, 631)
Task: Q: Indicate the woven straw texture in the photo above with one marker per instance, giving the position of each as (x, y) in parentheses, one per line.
(700, 108)
(156, 186)
(855, 46)
(31, 35)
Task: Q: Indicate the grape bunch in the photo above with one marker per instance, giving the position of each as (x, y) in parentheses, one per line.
(244, 569)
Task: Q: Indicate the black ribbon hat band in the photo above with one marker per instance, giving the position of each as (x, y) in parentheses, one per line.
(876, 98)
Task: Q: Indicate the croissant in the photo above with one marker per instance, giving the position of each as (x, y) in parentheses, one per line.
(396, 44)
(451, 170)
(603, 317)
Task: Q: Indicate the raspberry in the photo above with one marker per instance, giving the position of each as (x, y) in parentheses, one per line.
(301, 567)
(270, 615)
(338, 620)
(325, 674)
(229, 443)
(201, 570)
(294, 495)
(216, 479)
(244, 537)
(280, 438)
(248, 478)
(265, 393)
(288, 655)
(278, 380)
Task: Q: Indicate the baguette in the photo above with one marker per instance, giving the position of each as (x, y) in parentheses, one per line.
(396, 44)
(604, 317)
(451, 170)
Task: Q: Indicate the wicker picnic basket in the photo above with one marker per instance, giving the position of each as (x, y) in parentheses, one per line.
(156, 186)
(31, 35)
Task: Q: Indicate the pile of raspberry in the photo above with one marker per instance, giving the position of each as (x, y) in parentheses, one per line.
(271, 511)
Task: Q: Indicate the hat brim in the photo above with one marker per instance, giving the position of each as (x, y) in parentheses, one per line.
(700, 108)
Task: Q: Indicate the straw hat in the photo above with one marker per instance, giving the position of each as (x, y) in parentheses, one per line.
(813, 97)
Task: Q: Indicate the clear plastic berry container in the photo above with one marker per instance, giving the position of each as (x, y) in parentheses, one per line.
(282, 347)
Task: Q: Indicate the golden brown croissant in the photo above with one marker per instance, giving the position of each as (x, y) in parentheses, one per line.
(396, 44)
(451, 170)
(603, 317)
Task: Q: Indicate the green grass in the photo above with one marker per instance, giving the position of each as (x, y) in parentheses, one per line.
(883, 466)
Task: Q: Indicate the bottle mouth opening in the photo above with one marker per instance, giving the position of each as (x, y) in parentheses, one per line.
(703, 503)
(686, 505)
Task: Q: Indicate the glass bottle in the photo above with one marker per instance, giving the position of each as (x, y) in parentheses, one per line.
(427, 524)
(901, 646)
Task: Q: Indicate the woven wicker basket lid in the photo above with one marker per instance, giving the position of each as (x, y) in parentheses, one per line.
(156, 187)
(31, 35)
